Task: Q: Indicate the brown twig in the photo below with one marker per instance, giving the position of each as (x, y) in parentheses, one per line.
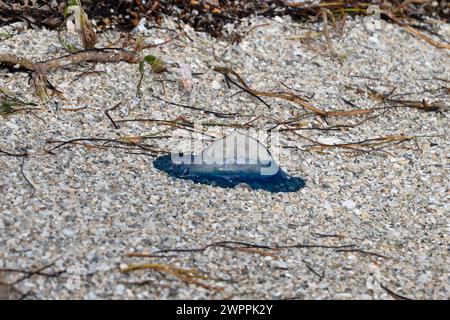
(39, 273)
(232, 245)
(40, 69)
(109, 116)
(326, 32)
(11, 154)
(29, 274)
(364, 252)
(106, 141)
(148, 255)
(89, 56)
(326, 235)
(310, 268)
(189, 276)
(394, 294)
(217, 114)
(26, 179)
(71, 59)
(408, 2)
(290, 97)
(415, 32)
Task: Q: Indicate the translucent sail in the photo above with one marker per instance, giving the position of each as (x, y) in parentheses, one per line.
(235, 155)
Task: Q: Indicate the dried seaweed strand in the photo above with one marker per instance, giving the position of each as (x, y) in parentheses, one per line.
(416, 32)
(394, 294)
(33, 188)
(369, 253)
(310, 268)
(326, 32)
(12, 154)
(237, 244)
(81, 141)
(40, 69)
(369, 144)
(76, 58)
(32, 273)
(189, 276)
(217, 114)
(290, 97)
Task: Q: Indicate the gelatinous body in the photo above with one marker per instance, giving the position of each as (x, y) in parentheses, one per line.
(229, 161)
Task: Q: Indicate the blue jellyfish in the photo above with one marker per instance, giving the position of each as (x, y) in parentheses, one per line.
(234, 159)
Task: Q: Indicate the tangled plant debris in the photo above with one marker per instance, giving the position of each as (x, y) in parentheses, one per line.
(213, 16)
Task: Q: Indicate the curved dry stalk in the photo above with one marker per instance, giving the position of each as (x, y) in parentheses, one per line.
(416, 32)
(189, 276)
(291, 97)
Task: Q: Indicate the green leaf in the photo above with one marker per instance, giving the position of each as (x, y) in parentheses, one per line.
(6, 107)
(156, 63)
(141, 71)
(157, 66)
(149, 59)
